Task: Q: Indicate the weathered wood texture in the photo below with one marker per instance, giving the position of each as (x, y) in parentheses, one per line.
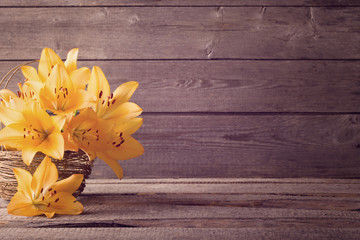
(183, 33)
(245, 146)
(234, 86)
(178, 3)
(229, 88)
(203, 209)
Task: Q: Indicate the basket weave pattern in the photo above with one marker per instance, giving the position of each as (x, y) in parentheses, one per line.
(72, 163)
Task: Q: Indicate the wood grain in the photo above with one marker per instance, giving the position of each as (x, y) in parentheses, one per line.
(244, 146)
(183, 233)
(176, 3)
(183, 33)
(308, 207)
(220, 94)
(233, 86)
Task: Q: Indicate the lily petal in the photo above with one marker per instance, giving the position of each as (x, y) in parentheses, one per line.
(9, 116)
(124, 92)
(109, 160)
(71, 60)
(80, 77)
(131, 148)
(49, 214)
(130, 127)
(28, 155)
(6, 94)
(13, 136)
(44, 176)
(53, 145)
(38, 117)
(48, 60)
(62, 203)
(23, 178)
(98, 86)
(70, 184)
(30, 73)
(21, 205)
(123, 112)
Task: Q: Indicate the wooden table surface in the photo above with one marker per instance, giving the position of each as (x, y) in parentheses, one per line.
(202, 209)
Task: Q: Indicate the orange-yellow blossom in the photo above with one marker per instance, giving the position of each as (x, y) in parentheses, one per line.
(42, 194)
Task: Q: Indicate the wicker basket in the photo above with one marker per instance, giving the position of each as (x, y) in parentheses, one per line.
(72, 163)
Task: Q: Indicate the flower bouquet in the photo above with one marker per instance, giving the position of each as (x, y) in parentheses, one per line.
(60, 120)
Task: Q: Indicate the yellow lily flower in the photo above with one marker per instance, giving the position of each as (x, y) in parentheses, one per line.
(32, 83)
(84, 131)
(34, 131)
(49, 59)
(99, 139)
(11, 107)
(42, 194)
(114, 106)
(122, 145)
(36, 80)
(63, 95)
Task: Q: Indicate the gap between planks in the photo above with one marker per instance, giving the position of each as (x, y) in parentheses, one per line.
(224, 181)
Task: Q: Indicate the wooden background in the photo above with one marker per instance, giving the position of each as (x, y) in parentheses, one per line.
(229, 88)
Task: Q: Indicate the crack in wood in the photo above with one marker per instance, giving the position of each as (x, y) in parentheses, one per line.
(312, 22)
(220, 222)
(104, 224)
(262, 12)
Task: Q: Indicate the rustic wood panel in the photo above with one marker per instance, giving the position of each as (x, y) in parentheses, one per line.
(245, 146)
(301, 3)
(183, 33)
(253, 208)
(184, 233)
(234, 86)
(226, 60)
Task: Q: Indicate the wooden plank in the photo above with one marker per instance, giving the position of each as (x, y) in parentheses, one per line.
(251, 210)
(271, 206)
(183, 33)
(41, 3)
(233, 86)
(291, 187)
(213, 181)
(182, 233)
(324, 146)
